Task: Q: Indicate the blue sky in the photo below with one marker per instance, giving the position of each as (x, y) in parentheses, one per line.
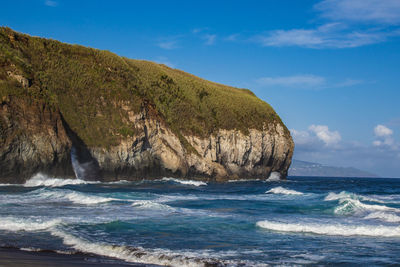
(330, 68)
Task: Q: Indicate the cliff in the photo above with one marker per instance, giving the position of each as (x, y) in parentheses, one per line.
(68, 110)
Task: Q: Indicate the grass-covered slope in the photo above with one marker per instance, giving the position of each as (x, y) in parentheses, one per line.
(93, 89)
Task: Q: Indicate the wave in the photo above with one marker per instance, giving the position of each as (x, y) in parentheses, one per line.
(384, 216)
(185, 182)
(69, 195)
(43, 180)
(20, 224)
(349, 206)
(344, 195)
(283, 191)
(133, 254)
(148, 204)
(332, 229)
(350, 203)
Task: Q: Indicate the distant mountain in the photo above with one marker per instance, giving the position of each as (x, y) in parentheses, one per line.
(304, 168)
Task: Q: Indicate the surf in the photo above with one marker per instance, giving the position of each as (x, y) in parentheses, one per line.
(331, 229)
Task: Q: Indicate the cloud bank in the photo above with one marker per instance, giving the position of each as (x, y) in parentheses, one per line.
(349, 23)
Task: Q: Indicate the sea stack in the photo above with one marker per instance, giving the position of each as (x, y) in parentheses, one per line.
(72, 111)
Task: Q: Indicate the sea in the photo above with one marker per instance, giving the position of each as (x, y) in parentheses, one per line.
(295, 222)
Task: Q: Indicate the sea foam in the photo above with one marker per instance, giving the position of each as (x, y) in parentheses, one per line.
(132, 254)
(283, 191)
(73, 196)
(185, 182)
(43, 180)
(350, 203)
(332, 229)
(148, 204)
(21, 224)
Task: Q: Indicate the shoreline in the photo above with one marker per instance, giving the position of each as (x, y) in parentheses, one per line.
(15, 257)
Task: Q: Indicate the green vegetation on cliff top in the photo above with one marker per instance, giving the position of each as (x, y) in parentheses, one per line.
(95, 89)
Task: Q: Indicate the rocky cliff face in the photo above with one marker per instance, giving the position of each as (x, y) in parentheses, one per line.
(36, 139)
(70, 111)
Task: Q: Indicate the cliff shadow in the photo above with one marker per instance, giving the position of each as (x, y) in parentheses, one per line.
(84, 165)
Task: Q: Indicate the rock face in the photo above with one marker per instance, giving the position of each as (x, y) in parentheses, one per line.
(46, 127)
(37, 139)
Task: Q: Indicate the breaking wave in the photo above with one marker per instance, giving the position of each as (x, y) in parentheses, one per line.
(345, 195)
(14, 224)
(332, 229)
(350, 203)
(148, 204)
(185, 182)
(138, 254)
(43, 180)
(283, 191)
(384, 216)
(76, 197)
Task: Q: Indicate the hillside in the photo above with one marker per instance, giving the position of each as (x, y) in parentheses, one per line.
(99, 99)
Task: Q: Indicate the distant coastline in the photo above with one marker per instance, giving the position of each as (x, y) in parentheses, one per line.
(305, 168)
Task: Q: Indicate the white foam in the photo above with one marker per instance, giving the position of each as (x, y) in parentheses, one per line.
(274, 177)
(185, 182)
(348, 206)
(75, 197)
(344, 195)
(9, 184)
(137, 255)
(43, 180)
(332, 229)
(384, 216)
(283, 191)
(350, 203)
(148, 204)
(21, 224)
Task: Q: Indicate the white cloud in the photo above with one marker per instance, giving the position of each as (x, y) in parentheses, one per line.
(168, 45)
(361, 11)
(302, 81)
(301, 137)
(348, 23)
(382, 131)
(323, 133)
(50, 3)
(316, 136)
(384, 137)
(332, 35)
(305, 81)
(349, 82)
(210, 39)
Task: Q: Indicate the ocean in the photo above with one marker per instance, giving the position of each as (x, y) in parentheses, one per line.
(300, 221)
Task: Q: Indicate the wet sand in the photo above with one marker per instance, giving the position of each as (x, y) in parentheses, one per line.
(18, 258)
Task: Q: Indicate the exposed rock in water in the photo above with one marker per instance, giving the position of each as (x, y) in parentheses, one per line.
(71, 111)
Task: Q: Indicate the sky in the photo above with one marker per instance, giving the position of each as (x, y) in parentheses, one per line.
(330, 68)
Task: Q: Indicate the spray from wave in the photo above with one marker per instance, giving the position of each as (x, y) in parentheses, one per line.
(43, 180)
(274, 177)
